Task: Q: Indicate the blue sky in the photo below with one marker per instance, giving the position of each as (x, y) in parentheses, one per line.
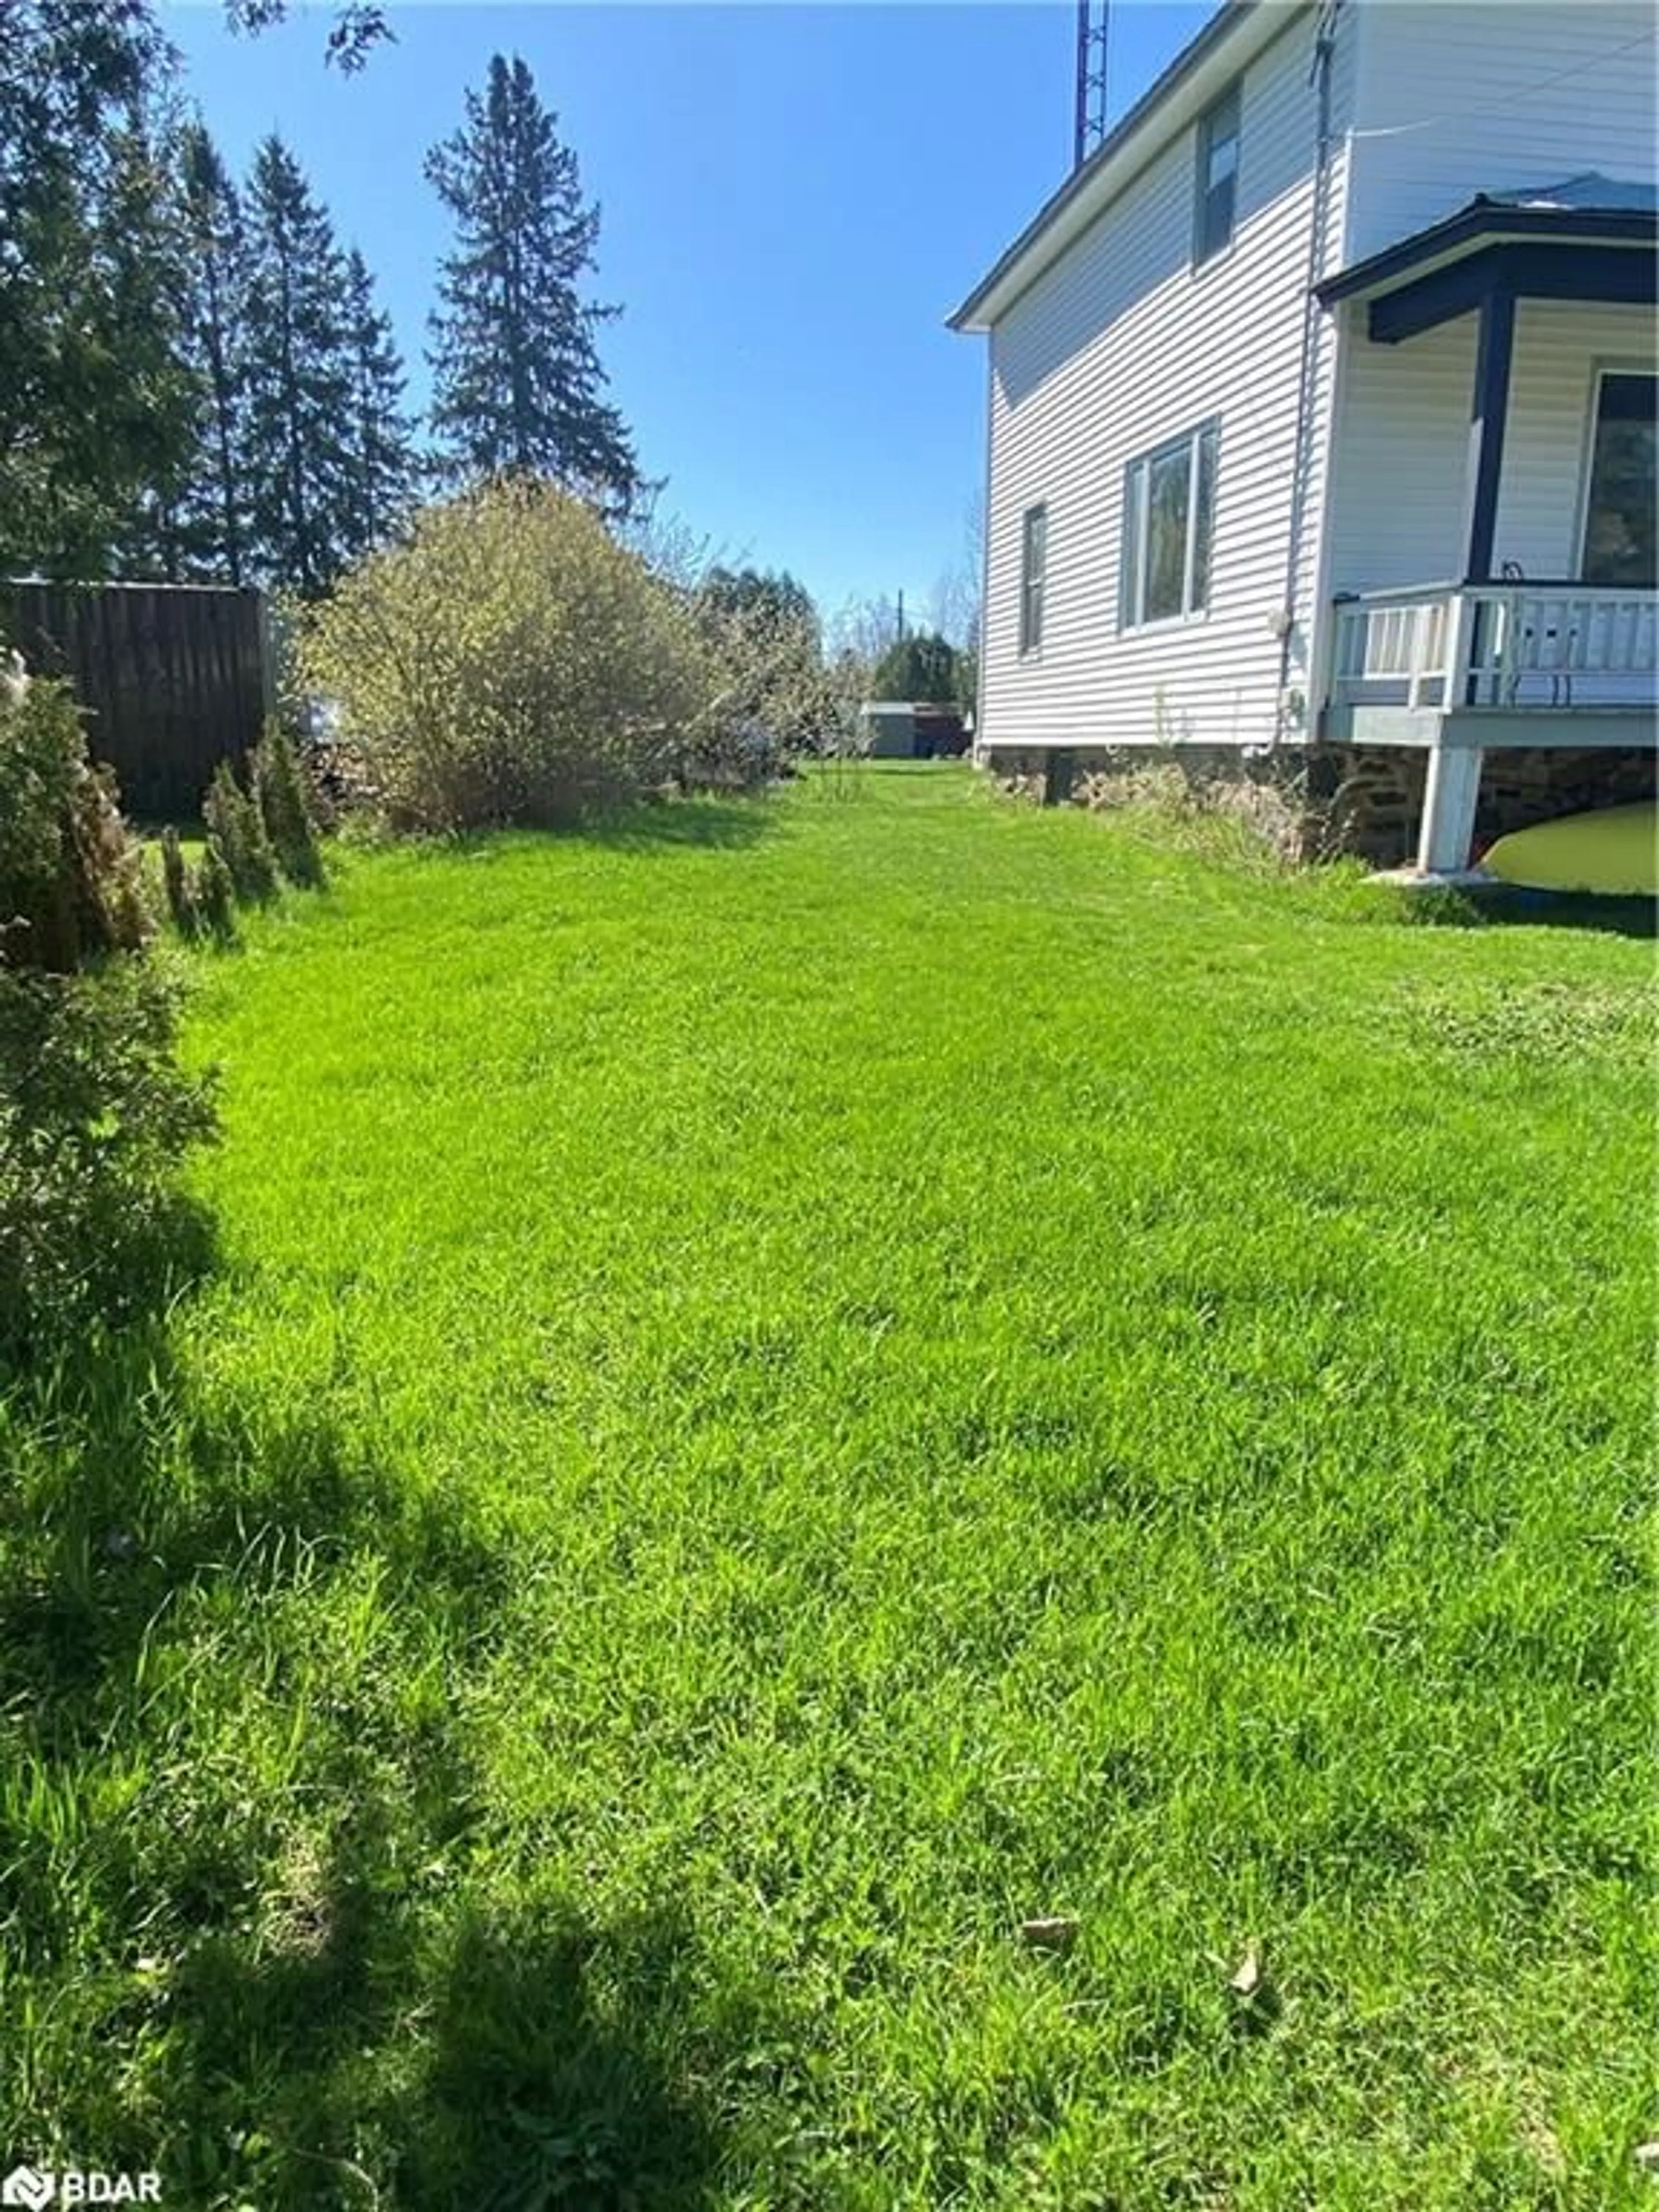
(794, 198)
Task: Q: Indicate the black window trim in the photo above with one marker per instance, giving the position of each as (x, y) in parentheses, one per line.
(1603, 372)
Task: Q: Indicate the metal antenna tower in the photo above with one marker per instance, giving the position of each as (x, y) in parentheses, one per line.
(1091, 126)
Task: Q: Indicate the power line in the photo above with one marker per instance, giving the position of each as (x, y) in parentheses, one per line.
(1508, 100)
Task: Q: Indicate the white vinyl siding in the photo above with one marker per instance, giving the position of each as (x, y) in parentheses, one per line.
(1122, 345)
(1398, 484)
(1119, 347)
(1457, 97)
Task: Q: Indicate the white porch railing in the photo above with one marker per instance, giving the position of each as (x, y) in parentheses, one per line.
(1552, 646)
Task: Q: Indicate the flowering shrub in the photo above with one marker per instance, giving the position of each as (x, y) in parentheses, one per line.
(508, 662)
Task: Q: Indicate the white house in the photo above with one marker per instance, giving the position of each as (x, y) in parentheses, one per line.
(1321, 406)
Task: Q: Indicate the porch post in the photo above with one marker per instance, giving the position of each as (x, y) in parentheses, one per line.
(1488, 417)
(1449, 801)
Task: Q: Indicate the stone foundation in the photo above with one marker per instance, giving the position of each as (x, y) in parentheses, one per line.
(1367, 800)
(1052, 772)
(1362, 799)
(1520, 789)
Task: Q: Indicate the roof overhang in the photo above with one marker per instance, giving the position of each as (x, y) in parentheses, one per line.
(1533, 253)
(1228, 42)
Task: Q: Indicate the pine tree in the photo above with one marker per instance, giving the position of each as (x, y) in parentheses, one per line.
(176, 884)
(146, 259)
(236, 832)
(298, 344)
(214, 894)
(214, 518)
(95, 400)
(383, 469)
(359, 26)
(279, 790)
(517, 382)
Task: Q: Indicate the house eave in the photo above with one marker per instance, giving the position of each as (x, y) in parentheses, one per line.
(1229, 42)
(1472, 230)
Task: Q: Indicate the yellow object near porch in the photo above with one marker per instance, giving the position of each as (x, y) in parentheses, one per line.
(1615, 849)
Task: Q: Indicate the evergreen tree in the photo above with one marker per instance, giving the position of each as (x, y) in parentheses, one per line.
(215, 517)
(213, 894)
(299, 386)
(147, 258)
(922, 667)
(383, 469)
(94, 397)
(517, 377)
(781, 598)
(236, 832)
(279, 790)
(175, 882)
(358, 26)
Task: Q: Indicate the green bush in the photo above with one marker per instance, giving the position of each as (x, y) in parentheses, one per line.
(175, 881)
(285, 808)
(94, 1112)
(72, 883)
(214, 896)
(94, 1116)
(510, 662)
(237, 833)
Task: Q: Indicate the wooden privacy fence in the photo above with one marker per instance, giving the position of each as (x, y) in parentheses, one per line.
(174, 677)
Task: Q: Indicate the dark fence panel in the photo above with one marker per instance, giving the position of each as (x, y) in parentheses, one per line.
(173, 677)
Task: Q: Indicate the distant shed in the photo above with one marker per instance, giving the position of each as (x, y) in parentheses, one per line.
(912, 729)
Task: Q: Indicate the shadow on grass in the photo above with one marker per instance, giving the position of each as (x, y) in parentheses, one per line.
(683, 825)
(560, 2070)
(1515, 907)
(1617, 917)
(647, 826)
(129, 1494)
(203, 1762)
(429, 2053)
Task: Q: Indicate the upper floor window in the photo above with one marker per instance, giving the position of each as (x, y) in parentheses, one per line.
(1216, 200)
(1169, 511)
(1620, 500)
(1033, 567)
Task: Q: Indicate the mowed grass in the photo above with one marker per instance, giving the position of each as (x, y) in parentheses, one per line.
(788, 1388)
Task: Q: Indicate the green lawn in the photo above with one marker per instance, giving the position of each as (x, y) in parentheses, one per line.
(790, 1387)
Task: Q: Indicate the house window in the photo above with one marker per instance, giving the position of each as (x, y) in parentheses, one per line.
(1169, 511)
(1033, 567)
(1618, 507)
(1216, 200)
